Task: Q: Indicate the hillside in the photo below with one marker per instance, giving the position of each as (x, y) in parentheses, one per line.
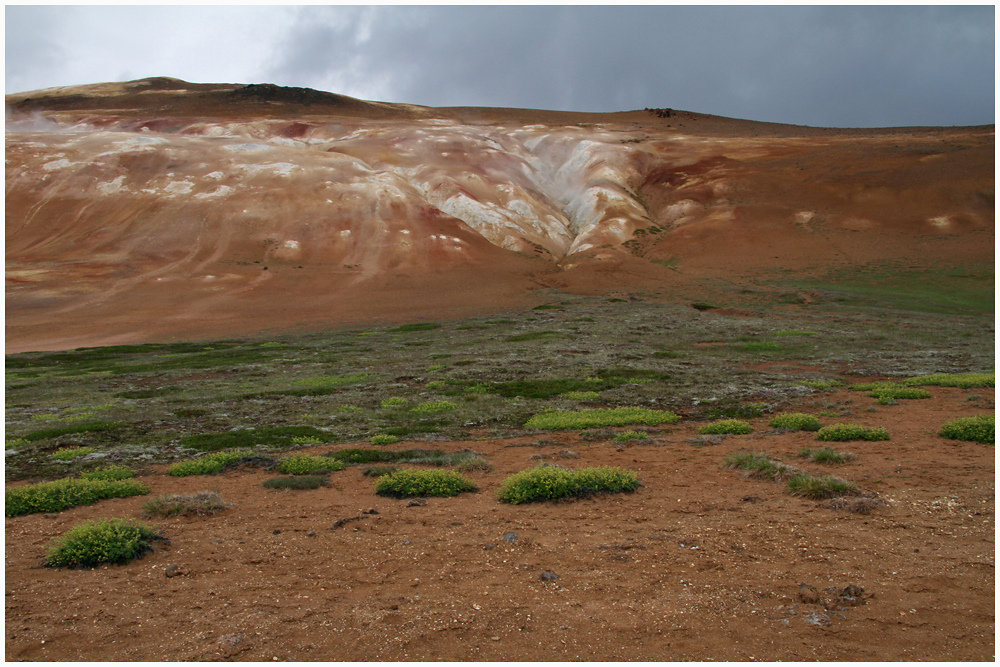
(162, 210)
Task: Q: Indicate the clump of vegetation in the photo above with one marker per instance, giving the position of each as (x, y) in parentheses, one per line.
(394, 402)
(857, 505)
(746, 411)
(202, 503)
(409, 483)
(93, 543)
(436, 385)
(602, 417)
(626, 436)
(209, 464)
(65, 493)
(306, 440)
(980, 428)
(796, 421)
(384, 439)
(963, 380)
(825, 455)
(306, 465)
(417, 326)
(893, 393)
(844, 432)
(71, 453)
(474, 464)
(580, 395)
(731, 426)
(278, 435)
(819, 488)
(378, 471)
(430, 407)
(758, 465)
(85, 427)
(547, 482)
(822, 384)
(109, 473)
(296, 483)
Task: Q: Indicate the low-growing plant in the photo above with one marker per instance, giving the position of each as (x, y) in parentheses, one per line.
(819, 488)
(417, 326)
(981, 428)
(208, 464)
(547, 482)
(763, 346)
(435, 385)
(296, 483)
(580, 395)
(277, 435)
(474, 464)
(626, 436)
(436, 367)
(431, 407)
(825, 455)
(731, 426)
(844, 432)
(602, 417)
(796, 421)
(963, 380)
(384, 439)
(65, 493)
(393, 402)
(71, 453)
(85, 427)
(93, 543)
(822, 384)
(202, 503)
(108, 473)
(409, 483)
(744, 411)
(378, 471)
(758, 465)
(886, 394)
(331, 381)
(306, 440)
(306, 465)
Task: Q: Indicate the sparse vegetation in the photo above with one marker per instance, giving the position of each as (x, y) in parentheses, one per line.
(73, 453)
(109, 473)
(304, 482)
(825, 455)
(844, 432)
(602, 417)
(85, 427)
(981, 428)
(281, 436)
(409, 483)
(202, 503)
(394, 402)
(963, 380)
(93, 543)
(627, 436)
(307, 465)
(209, 464)
(580, 395)
(431, 407)
(547, 482)
(796, 421)
(378, 471)
(758, 465)
(729, 426)
(65, 493)
(819, 488)
(384, 439)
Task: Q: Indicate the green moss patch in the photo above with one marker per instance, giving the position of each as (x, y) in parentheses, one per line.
(275, 436)
(85, 427)
(93, 543)
(980, 428)
(844, 432)
(730, 426)
(109, 473)
(65, 493)
(963, 380)
(602, 417)
(554, 483)
(211, 463)
(796, 421)
(409, 483)
(306, 465)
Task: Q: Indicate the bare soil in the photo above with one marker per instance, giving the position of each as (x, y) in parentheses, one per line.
(700, 563)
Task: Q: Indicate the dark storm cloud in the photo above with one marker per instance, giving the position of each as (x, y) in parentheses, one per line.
(831, 66)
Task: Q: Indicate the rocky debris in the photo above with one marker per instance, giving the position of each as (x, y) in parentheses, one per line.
(537, 457)
(568, 454)
(809, 594)
(489, 547)
(416, 502)
(548, 576)
(340, 522)
(510, 537)
(702, 440)
(175, 571)
(229, 640)
(310, 533)
(818, 618)
(370, 511)
(858, 505)
(750, 499)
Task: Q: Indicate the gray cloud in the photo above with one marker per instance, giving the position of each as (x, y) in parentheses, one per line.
(829, 66)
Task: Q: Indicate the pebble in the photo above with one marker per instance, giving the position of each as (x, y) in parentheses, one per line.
(548, 576)
(510, 537)
(416, 502)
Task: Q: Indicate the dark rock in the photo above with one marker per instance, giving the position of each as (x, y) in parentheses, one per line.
(818, 618)
(416, 502)
(175, 571)
(808, 594)
(548, 576)
(510, 537)
(489, 547)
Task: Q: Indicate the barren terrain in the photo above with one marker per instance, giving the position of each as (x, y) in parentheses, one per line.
(241, 263)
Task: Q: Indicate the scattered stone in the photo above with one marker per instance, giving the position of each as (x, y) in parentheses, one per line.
(340, 522)
(276, 532)
(10, 452)
(536, 457)
(51, 515)
(750, 499)
(702, 440)
(568, 454)
(548, 576)
(852, 595)
(416, 502)
(310, 533)
(510, 537)
(490, 547)
(818, 619)
(371, 511)
(175, 571)
(229, 640)
(808, 594)
(862, 505)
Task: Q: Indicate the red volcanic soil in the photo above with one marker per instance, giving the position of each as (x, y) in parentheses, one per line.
(161, 210)
(700, 563)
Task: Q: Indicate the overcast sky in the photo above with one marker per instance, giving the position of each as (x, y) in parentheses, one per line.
(839, 66)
